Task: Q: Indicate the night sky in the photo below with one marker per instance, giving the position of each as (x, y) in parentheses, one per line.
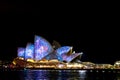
(89, 30)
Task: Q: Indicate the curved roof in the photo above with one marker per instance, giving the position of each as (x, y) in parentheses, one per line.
(42, 47)
(21, 52)
(73, 56)
(29, 52)
(63, 50)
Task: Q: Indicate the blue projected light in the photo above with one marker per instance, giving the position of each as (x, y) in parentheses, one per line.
(21, 52)
(51, 56)
(72, 56)
(63, 50)
(42, 48)
(54, 56)
(29, 52)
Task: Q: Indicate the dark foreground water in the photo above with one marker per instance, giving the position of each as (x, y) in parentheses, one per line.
(58, 75)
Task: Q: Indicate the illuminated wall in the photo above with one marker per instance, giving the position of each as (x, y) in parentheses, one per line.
(29, 52)
(21, 52)
(42, 48)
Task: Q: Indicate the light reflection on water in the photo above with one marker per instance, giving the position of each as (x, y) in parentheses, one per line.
(53, 75)
(58, 75)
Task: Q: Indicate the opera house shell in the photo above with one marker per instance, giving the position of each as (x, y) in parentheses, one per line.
(43, 53)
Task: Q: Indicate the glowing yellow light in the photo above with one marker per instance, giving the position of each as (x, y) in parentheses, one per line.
(30, 60)
(14, 62)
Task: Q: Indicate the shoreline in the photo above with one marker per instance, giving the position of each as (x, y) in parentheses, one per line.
(101, 71)
(56, 69)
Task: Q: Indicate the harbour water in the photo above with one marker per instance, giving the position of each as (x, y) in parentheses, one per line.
(58, 75)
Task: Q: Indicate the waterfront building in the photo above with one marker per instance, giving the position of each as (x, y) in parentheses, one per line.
(42, 54)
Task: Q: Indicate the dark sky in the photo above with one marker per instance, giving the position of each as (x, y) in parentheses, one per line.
(91, 30)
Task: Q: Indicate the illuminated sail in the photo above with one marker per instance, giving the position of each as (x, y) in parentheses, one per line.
(72, 57)
(29, 52)
(42, 47)
(21, 52)
(62, 51)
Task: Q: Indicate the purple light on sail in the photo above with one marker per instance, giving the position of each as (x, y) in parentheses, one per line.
(72, 56)
(29, 52)
(62, 51)
(42, 48)
(21, 52)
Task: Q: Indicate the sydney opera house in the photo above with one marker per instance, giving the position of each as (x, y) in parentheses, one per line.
(41, 54)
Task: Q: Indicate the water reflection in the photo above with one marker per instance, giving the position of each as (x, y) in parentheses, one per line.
(35, 75)
(79, 75)
(52, 75)
(58, 75)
